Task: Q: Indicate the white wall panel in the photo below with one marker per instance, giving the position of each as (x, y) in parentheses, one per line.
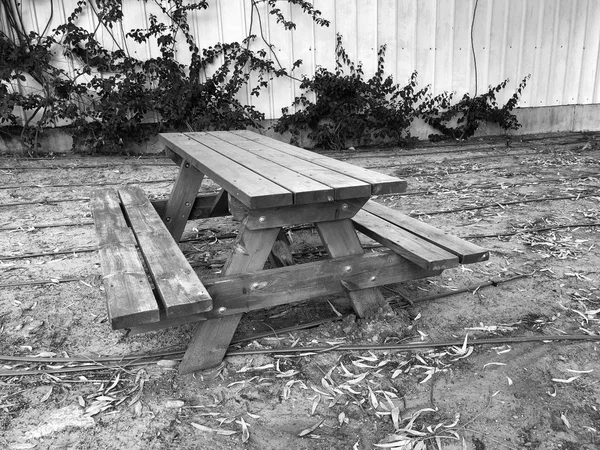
(557, 42)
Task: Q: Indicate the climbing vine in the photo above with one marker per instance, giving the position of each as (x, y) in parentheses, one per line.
(111, 97)
(342, 107)
(349, 108)
(469, 113)
(110, 94)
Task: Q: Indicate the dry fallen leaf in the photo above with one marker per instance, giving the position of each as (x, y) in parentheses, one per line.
(569, 380)
(213, 430)
(493, 364)
(137, 409)
(315, 403)
(245, 432)
(46, 395)
(167, 363)
(580, 371)
(311, 429)
(174, 404)
(373, 398)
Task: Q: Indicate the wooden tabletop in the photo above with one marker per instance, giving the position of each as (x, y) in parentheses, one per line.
(262, 172)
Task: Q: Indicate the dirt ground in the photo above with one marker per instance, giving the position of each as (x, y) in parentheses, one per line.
(533, 201)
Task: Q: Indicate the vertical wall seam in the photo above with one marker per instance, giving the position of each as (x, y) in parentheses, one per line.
(580, 99)
(519, 69)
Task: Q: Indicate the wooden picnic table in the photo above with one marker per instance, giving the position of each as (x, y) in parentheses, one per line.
(266, 185)
(271, 185)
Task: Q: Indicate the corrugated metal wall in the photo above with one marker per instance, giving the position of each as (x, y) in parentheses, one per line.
(557, 42)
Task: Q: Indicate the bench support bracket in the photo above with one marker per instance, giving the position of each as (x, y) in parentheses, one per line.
(340, 239)
(212, 337)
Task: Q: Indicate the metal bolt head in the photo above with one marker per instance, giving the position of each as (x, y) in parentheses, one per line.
(345, 207)
(329, 198)
(187, 203)
(373, 278)
(187, 165)
(167, 219)
(348, 268)
(222, 310)
(262, 219)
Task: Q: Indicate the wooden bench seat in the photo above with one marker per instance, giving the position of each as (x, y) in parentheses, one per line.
(420, 243)
(140, 291)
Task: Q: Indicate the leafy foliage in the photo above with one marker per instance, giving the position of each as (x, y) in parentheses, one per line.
(349, 108)
(108, 94)
(111, 93)
(469, 113)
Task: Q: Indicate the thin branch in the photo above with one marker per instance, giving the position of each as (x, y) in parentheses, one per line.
(268, 44)
(49, 19)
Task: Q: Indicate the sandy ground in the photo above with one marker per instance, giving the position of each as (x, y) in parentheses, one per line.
(535, 203)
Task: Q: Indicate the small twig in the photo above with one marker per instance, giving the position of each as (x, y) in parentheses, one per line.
(491, 439)
(432, 388)
(501, 205)
(41, 282)
(480, 413)
(470, 288)
(112, 183)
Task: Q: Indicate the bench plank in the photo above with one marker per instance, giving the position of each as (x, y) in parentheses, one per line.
(252, 189)
(412, 247)
(381, 183)
(130, 299)
(345, 186)
(467, 252)
(305, 189)
(180, 290)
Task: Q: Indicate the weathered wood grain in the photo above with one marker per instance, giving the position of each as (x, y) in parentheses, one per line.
(343, 186)
(423, 253)
(265, 289)
(253, 190)
(256, 219)
(340, 239)
(212, 337)
(182, 198)
(467, 252)
(177, 285)
(381, 183)
(129, 297)
(204, 206)
(285, 173)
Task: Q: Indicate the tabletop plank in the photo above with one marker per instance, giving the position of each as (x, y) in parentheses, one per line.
(245, 185)
(304, 188)
(345, 187)
(381, 183)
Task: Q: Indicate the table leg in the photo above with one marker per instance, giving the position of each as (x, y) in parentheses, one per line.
(340, 239)
(182, 199)
(212, 337)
